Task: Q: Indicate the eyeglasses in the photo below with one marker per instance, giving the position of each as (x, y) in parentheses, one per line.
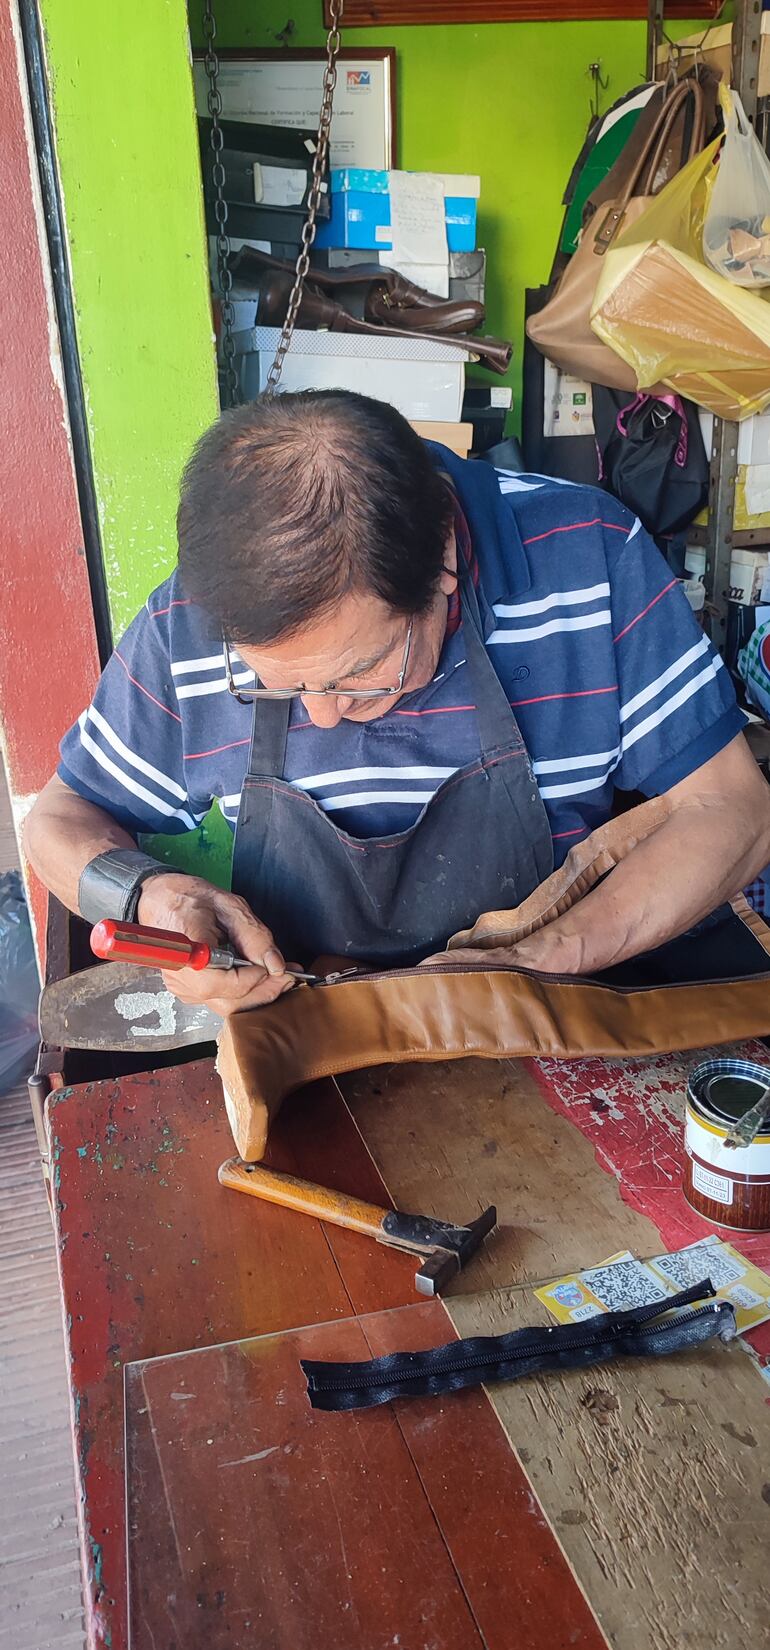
(248, 696)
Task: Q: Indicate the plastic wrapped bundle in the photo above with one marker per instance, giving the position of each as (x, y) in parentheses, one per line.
(675, 321)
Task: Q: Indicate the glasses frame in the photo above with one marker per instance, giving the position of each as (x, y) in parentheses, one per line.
(252, 695)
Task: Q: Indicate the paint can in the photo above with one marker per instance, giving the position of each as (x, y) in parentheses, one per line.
(729, 1186)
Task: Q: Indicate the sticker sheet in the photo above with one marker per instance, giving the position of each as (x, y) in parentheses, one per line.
(623, 1281)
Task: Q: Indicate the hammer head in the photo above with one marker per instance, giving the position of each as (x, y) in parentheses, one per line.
(447, 1248)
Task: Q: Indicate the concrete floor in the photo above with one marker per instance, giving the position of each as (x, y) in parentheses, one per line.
(40, 1598)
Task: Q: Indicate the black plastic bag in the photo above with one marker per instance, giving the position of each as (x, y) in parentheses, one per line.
(652, 457)
(19, 987)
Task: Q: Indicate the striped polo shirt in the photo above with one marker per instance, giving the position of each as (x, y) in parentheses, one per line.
(610, 678)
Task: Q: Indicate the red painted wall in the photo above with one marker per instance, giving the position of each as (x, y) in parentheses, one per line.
(48, 655)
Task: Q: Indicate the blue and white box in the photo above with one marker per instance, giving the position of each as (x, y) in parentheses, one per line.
(360, 215)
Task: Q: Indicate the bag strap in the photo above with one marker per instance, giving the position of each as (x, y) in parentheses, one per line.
(649, 160)
(696, 140)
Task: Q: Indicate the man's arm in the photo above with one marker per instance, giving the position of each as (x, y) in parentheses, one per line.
(63, 832)
(715, 841)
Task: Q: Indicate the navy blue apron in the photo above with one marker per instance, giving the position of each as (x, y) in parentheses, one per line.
(482, 843)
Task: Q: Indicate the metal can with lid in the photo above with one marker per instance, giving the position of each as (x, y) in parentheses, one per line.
(730, 1186)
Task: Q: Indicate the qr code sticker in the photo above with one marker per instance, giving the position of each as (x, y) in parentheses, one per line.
(703, 1260)
(625, 1284)
(587, 1311)
(744, 1297)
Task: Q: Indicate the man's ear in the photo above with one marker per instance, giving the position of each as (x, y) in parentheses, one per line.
(447, 581)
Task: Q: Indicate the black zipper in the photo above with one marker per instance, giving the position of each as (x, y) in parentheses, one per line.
(607, 1329)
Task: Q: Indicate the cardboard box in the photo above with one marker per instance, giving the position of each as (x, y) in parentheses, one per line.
(457, 437)
(424, 380)
(360, 211)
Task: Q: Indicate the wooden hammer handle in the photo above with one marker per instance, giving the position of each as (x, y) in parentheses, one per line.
(274, 1187)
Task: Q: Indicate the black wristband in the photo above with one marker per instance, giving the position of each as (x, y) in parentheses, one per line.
(111, 884)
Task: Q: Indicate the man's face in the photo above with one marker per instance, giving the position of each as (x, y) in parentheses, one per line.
(360, 644)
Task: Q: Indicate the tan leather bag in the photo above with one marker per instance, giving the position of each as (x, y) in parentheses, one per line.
(452, 1008)
(562, 329)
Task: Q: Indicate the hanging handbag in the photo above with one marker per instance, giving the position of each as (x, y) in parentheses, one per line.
(652, 457)
(562, 330)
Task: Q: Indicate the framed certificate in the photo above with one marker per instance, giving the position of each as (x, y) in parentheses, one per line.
(283, 88)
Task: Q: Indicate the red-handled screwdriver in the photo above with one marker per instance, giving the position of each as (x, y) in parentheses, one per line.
(162, 948)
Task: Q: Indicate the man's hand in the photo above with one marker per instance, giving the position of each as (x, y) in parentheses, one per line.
(715, 840)
(190, 906)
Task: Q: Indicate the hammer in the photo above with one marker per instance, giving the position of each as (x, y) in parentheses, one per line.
(446, 1248)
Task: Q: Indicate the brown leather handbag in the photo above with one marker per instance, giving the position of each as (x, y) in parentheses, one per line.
(707, 988)
(561, 330)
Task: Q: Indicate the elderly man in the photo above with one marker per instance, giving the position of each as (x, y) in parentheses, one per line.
(412, 684)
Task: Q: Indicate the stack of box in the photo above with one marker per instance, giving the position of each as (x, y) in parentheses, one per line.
(424, 225)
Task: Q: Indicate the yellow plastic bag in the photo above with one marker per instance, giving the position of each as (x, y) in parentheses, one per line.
(678, 213)
(671, 318)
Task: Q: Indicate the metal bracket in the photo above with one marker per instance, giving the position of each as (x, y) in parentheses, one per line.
(747, 35)
(655, 11)
(719, 536)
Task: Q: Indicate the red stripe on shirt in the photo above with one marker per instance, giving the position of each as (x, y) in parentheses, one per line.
(577, 527)
(580, 830)
(145, 690)
(579, 693)
(441, 710)
(192, 756)
(178, 603)
(632, 622)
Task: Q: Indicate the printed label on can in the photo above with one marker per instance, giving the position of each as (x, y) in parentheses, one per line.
(715, 1186)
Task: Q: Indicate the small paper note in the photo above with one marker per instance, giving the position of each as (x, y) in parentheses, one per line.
(279, 185)
(418, 218)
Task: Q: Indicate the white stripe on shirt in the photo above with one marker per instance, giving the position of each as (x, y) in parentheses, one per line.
(559, 598)
(577, 787)
(565, 763)
(654, 688)
(183, 667)
(361, 799)
(194, 690)
(672, 704)
(129, 784)
(108, 733)
(586, 621)
(349, 776)
(510, 483)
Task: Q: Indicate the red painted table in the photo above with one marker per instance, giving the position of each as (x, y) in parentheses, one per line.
(156, 1258)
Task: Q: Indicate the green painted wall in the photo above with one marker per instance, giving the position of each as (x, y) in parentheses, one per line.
(507, 100)
(125, 134)
(124, 116)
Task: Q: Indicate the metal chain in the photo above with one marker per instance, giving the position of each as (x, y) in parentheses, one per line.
(230, 384)
(314, 197)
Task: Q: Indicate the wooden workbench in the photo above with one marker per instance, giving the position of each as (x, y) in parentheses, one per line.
(645, 1482)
